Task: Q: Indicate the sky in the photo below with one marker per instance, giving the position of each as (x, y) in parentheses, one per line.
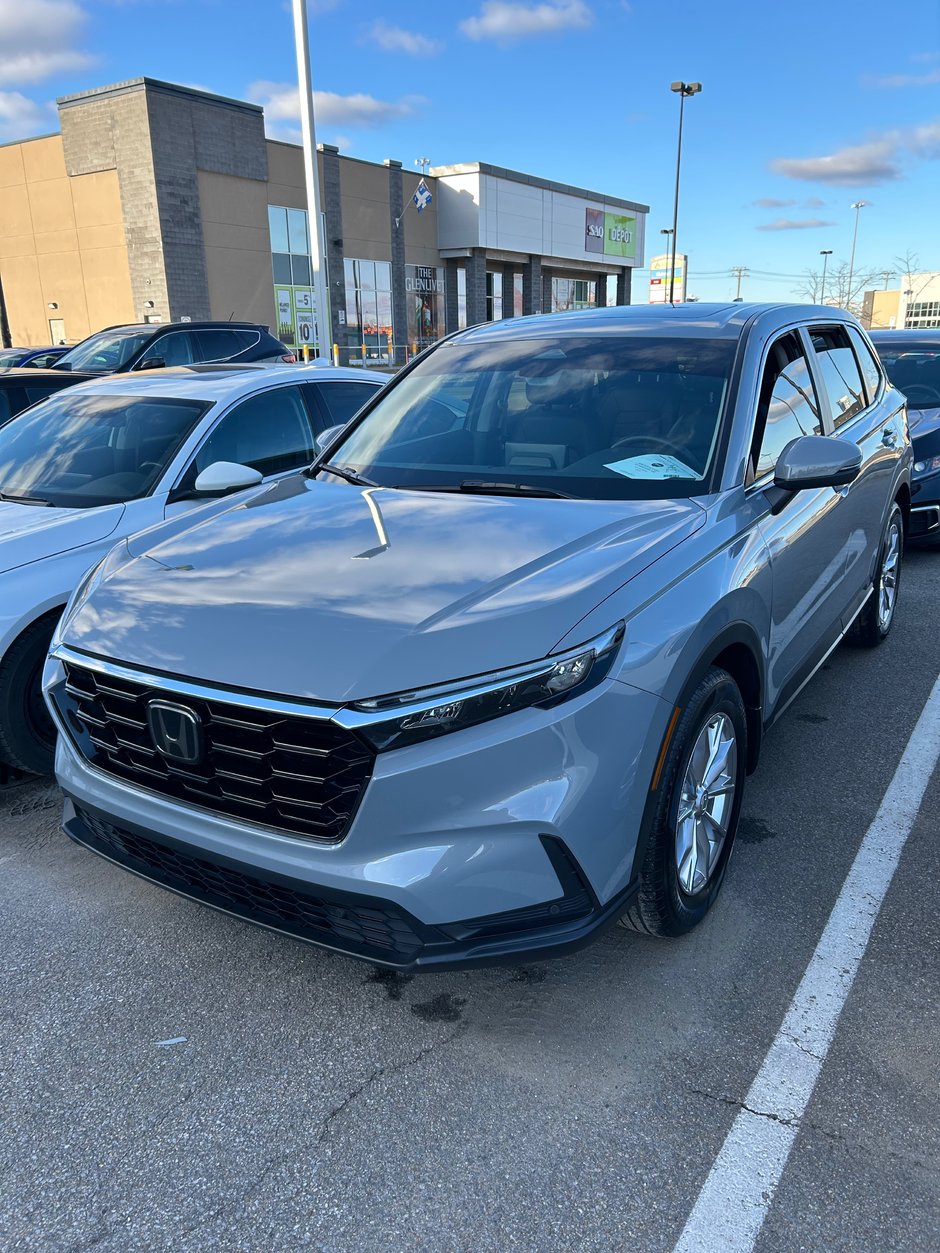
(805, 107)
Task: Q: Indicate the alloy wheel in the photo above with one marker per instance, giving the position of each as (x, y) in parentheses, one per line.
(888, 588)
(705, 803)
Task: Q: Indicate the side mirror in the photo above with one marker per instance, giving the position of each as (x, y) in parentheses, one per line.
(226, 476)
(817, 461)
(327, 437)
(151, 363)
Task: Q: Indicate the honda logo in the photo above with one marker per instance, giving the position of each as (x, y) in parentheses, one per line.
(176, 732)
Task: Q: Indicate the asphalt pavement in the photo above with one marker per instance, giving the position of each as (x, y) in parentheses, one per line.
(171, 1078)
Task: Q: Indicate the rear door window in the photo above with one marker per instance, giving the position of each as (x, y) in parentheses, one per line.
(839, 373)
(341, 400)
(217, 345)
(176, 348)
(871, 370)
(788, 405)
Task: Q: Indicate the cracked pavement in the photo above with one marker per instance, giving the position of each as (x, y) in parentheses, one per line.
(312, 1102)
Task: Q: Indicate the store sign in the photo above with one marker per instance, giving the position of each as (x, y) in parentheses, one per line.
(423, 280)
(295, 320)
(610, 234)
(659, 278)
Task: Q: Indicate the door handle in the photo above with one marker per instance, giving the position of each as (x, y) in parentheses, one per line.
(889, 437)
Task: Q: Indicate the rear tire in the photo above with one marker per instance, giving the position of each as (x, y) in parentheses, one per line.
(27, 732)
(873, 624)
(691, 836)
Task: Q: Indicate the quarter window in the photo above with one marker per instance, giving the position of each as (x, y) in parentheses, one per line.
(838, 369)
(269, 432)
(217, 345)
(788, 405)
(871, 371)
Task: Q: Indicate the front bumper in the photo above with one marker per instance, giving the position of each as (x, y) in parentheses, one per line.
(511, 840)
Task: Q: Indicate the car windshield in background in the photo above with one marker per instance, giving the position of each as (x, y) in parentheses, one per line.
(108, 350)
(80, 451)
(914, 369)
(594, 418)
(11, 357)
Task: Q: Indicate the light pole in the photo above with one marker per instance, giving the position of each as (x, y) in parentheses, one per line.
(683, 90)
(424, 163)
(311, 178)
(858, 206)
(825, 253)
(666, 231)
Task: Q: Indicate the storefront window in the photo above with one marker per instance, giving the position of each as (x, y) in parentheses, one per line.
(494, 296)
(293, 278)
(573, 293)
(461, 298)
(424, 296)
(369, 311)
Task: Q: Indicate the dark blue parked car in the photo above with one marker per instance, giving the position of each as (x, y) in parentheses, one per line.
(34, 358)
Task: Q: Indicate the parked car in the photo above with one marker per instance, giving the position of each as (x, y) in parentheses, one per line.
(153, 345)
(107, 458)
(35, 358)
(912, 360)
(492, 673)
(21, 388)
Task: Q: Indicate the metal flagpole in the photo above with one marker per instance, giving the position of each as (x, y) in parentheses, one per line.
(314, 220)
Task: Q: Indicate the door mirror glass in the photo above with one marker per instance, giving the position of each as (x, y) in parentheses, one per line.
(226, 476)
(817, 461)
(327, 437)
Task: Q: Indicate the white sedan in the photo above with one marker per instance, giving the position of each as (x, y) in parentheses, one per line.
(97, 462)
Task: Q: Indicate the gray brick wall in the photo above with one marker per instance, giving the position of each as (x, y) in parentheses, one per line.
(476, 286)
(399, 300)
(332, 207)
(532, 286)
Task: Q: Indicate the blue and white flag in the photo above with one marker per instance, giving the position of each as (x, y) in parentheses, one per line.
(422, 197)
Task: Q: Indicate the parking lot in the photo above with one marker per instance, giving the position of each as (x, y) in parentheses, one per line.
(173, 1078)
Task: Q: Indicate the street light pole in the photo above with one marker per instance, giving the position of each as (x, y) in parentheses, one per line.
(825, 253)
(683, 90)
(857, 205)
(312, 180)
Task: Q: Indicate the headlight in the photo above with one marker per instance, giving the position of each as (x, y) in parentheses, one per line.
(929, 465)
(409, 717)
(118, 556)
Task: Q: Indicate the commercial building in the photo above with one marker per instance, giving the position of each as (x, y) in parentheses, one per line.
(914, 305)
(159, 202)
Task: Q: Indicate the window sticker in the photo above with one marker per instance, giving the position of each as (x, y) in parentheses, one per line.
(652, 466)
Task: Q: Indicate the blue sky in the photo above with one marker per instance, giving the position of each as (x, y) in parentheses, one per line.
(806, 107)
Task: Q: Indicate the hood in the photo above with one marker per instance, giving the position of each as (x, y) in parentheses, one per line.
(335, 593)
(31, 532)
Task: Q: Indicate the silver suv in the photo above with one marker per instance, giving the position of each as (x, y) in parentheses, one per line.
(492, 673)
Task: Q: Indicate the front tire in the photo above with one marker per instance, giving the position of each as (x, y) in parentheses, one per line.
(27, 732)
(873, 624)
(695, 820)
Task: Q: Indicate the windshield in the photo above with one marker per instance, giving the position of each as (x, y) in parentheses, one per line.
(108, 350)
(12, 356)
(79, 451)
(914, 369)
(592, 417)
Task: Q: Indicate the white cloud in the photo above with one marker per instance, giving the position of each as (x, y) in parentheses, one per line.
(21, 117)
(794, 224)
(394, 39)
(281, 103)
(768, 202)
(39, 39)
(878, 160)
(903, 80)
(506, 22)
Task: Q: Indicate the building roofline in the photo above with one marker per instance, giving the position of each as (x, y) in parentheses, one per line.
(30, 139)
(533, 180)
(131, 85)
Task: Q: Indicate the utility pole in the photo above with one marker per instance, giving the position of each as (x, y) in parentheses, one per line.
(312, 180)
(739, 271)
(825, 253)
(886, 274)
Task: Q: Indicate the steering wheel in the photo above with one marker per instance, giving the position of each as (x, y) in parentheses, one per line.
(922, 394)
(652, 444)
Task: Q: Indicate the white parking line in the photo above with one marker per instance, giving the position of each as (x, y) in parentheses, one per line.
(740, 1187)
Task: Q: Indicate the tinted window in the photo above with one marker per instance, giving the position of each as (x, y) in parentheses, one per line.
(82, 450)
(6, 408)
(269, 432)
(840, 375)
(871, 372)
(34, 394)
(44, 360)
(217, 345)
(11, 357)
(108, 350)
(246, 339)
(341, 400)
(914, 368)
(788, 406)
(173, 349)
(611, 417)
(282, 270)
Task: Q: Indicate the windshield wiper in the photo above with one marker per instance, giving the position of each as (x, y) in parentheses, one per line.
(482, 487)
(26, 500)
(342, 472)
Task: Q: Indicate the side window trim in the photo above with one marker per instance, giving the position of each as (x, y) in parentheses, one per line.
(805, 333)
(879, 390)
(825, 406)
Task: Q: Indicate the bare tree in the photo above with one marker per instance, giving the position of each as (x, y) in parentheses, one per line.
(837, 286)
(909, 268)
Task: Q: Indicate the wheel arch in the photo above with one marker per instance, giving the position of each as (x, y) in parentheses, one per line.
(737, 650)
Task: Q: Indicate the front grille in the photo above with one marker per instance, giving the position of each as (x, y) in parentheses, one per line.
(300, 774)
(362, 925)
